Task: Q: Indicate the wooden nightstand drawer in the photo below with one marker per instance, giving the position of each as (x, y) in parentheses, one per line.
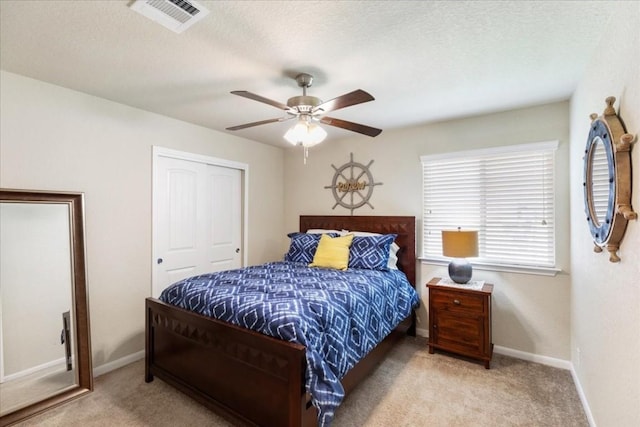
(457, 302)
(461, 334)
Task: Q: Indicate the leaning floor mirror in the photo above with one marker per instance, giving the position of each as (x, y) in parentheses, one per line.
(45, 353)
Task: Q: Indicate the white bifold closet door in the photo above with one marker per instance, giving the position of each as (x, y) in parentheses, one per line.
(198, 220)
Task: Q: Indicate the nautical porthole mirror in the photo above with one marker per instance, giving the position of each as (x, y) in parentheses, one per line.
(607, 180)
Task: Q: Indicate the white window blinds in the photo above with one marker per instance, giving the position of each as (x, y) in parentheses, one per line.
(505, 193)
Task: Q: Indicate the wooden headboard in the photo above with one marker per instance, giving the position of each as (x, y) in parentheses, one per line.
(403, 226)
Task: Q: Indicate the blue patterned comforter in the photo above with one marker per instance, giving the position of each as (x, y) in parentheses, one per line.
(339, 316)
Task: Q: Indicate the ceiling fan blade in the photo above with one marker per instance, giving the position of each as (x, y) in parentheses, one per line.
(259, 98)
(352, 98)
(261, 122)
(355, 127)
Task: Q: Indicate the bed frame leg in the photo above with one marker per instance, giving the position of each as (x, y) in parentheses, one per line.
(148, 344)
(148, 376)
(412, 329)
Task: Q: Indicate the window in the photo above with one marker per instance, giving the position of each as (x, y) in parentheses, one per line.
(506, 193)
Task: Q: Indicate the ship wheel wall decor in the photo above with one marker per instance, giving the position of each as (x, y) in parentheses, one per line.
(354, 182)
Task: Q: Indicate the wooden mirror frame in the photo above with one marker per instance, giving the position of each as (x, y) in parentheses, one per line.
(80, 302)
(609, 130)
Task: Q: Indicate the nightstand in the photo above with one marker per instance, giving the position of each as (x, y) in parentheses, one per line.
(460, 320)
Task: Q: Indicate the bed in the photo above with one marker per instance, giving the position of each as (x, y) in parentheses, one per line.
(249, 377)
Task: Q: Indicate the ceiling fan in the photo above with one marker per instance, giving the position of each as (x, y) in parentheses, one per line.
(308, 109)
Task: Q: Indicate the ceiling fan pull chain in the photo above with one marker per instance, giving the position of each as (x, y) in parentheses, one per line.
(306, 153)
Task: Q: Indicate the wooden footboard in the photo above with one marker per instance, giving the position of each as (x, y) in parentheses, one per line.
(240, 374)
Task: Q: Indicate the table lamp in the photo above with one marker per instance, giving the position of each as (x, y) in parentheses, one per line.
(460, 245)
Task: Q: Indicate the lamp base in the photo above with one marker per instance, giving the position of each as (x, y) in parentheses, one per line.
(460, 270)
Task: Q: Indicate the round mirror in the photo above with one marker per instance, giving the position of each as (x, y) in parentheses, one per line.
(599, 183)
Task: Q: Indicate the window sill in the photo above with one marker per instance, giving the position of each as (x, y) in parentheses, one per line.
(539, 271)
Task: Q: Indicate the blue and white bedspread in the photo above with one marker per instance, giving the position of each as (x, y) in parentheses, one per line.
(339, 316)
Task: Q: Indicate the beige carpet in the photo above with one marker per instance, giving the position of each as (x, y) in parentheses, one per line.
(411, 388)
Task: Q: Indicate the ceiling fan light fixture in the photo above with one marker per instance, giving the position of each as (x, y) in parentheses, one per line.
(305, 134)
(309, 109)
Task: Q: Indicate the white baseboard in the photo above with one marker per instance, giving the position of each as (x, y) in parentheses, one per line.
(119, 363)
(543, 360)
(29, 371)
(583, 398)
(531, 357)
(422, 332)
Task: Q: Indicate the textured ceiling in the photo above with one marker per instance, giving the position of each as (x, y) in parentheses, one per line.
(423, 61)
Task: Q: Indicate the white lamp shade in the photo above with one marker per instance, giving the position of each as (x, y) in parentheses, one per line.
(305, 134)
(460, 244)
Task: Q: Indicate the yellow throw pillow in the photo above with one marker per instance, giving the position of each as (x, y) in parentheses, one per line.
(332, 252)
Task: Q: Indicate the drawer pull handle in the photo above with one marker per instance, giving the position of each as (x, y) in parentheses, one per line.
(456, 301)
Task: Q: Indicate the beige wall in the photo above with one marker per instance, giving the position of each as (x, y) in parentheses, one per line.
(605, 296)
(531, 313)
(57, 139)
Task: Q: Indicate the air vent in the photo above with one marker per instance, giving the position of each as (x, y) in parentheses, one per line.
(176, 15)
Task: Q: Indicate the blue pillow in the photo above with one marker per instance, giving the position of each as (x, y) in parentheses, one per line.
(303, 246)
(371, 252)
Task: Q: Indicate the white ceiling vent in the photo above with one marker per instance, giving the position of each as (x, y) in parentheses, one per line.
(176, 15)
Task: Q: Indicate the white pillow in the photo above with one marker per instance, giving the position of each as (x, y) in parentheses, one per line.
(392, 264)
(323, 231)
